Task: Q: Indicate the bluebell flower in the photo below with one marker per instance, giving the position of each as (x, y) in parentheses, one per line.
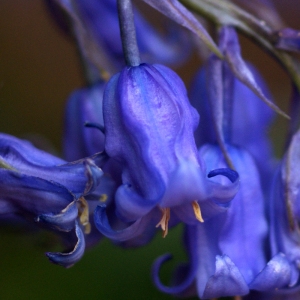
(248, 111)
(83, 107)
(284, 211)
(84, 134)
(226, 253)
(43, 188)
(217, 85)
(149, 126)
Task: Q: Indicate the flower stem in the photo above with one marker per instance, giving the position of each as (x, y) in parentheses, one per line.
(128, 35)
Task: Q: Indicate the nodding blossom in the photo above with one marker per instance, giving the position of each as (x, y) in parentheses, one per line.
(149, 125)
(49, 191)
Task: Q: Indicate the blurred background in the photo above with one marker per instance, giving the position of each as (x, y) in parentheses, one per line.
(39, 68)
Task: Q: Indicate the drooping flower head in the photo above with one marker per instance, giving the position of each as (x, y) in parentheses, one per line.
(228, 95)
(45, 189)
(149, 125)
(84, 107)
(227, 252)
(284, 211)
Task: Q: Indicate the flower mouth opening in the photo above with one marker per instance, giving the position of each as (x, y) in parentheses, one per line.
(166, 215)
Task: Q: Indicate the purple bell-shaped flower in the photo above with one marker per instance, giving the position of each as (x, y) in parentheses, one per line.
(149, 125)
(40, 187)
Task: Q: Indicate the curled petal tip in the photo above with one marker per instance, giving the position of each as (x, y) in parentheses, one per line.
(64, 221)
(67, 260)
(174, 290)
(276, 274)
(103, 225)
(232, 175)
(227, 280)
(93, 174)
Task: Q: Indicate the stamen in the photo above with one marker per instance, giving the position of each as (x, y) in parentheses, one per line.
(103, 198)
(83, 214)
(5, 165)
(105, 75)
(164, 221)
(197, 211)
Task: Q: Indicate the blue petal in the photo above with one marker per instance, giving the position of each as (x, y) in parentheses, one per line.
(64, 221)
(79, 177)
(227, 280)
(13, 149)
(224, 182)
(213, 195)
(31, 195)
(130, 206)
(84, 105)
(182, 284)
(186, 184)
(229, 173)
(275, 275)
(133, 230)
(67, 260)
(93, 175)
(174, 290)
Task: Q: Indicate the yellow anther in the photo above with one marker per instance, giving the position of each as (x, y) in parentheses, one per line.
(103, 198)
(197, 211)
(87, 228)
(5, 165)
(83, 213)
(105, 75)
(164, 221)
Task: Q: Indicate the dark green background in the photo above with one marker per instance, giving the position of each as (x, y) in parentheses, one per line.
(38, 69)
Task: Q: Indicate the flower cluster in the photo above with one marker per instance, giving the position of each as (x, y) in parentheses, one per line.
(141, 154)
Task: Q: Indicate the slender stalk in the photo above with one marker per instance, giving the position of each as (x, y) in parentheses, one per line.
(228, 87)
(128, 34)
